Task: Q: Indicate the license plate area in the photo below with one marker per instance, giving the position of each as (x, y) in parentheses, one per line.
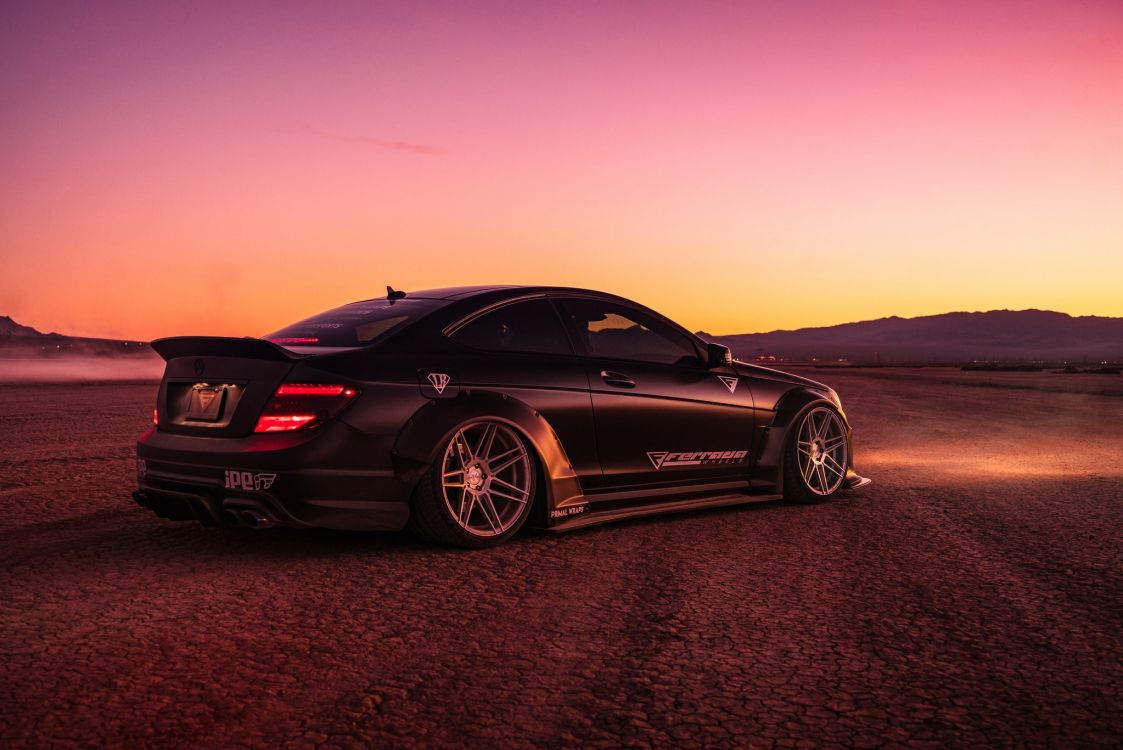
(206, 402)
(184, 409)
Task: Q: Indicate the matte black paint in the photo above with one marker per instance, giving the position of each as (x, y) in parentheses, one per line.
(591, 422)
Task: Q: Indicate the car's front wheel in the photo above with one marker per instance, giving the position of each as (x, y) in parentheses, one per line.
(817, 456)
(479, 492)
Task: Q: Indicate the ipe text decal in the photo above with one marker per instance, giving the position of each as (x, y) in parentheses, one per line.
(248, 480)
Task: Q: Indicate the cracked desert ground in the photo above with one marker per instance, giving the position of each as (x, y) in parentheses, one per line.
(972, 596)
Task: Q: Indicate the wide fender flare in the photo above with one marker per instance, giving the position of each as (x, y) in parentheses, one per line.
(430, 428)
(791, 408)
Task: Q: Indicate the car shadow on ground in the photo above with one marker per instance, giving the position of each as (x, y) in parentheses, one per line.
(129, 536)
(289, 543)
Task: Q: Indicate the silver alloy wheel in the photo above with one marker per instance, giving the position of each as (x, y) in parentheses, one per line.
(821, 446)
(486, 478)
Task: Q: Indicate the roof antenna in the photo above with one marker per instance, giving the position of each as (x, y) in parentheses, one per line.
(392, 294)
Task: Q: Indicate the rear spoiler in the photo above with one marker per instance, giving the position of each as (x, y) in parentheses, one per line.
(219, 346)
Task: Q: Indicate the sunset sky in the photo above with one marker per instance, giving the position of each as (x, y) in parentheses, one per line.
(226, 168)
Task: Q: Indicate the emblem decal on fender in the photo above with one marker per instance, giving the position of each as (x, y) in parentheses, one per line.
(439, 381)
(664, 459)
(730, 383)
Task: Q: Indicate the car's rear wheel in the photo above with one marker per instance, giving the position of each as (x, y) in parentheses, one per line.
(817, 456)
(478, 493)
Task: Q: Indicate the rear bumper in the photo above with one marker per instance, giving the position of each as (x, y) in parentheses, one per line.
(188, 503)
(332, 477)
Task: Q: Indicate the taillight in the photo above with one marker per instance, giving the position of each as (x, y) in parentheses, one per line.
(295, 406)
(283, 422)
(301, 389)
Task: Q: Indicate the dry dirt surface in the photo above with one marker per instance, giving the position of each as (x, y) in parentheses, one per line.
(970, 597)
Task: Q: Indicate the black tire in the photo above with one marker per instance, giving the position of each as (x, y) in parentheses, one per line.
(825, 485)
(431, 516)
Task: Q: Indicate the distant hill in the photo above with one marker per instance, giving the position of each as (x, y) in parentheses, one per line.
(20, 341)
(9, 327)
(958, 337)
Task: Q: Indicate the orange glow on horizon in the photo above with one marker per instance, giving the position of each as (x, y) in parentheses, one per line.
(228, 170)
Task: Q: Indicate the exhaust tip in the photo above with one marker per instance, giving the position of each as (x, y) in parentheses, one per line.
(256, 520)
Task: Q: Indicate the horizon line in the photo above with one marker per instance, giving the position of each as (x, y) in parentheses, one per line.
(699, 332)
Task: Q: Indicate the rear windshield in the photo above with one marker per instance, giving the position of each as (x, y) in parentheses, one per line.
(357, 324)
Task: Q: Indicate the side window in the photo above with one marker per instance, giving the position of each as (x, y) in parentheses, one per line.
(617, 332)
(530, 326)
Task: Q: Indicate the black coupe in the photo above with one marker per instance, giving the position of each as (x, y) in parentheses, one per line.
(466, 413)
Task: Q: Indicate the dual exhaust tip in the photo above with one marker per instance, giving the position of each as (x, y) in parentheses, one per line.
(249, 518)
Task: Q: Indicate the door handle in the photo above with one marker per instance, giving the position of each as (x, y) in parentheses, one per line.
(617, 379)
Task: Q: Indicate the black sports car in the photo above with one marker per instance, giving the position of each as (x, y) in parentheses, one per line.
(465, 413)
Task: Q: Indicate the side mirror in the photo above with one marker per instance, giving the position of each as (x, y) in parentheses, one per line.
(718, 356)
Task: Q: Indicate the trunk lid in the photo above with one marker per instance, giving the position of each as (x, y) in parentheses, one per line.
(218, 387)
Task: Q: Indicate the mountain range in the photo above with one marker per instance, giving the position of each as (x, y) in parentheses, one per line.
(9, 327)
(20, 341)
(957, 337)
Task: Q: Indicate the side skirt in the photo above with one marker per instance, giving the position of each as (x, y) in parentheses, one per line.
(655, 509)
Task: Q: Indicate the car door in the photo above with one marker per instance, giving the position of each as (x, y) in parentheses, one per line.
(521, 349)
(662, 417)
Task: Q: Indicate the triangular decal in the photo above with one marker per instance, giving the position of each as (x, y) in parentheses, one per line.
(439, 381)
(730, 383)
(657, 458)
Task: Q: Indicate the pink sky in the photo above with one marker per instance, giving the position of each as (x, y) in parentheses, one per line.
(226, 168)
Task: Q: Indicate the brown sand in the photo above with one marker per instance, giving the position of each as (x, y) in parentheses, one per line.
(973, 595)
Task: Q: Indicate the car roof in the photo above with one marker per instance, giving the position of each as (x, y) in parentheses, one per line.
(499, 294)
(453, 292)
(457, 299)
(465, 292)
